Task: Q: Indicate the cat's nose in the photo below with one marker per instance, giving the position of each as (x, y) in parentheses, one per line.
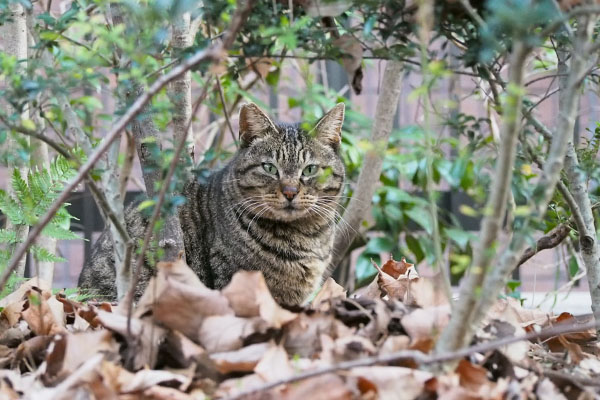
(289, 192)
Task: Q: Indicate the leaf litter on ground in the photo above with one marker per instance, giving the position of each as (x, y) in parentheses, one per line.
(186, 341)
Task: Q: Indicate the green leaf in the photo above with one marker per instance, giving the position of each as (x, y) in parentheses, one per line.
(41, 254)
(380, 245)
(364, 268)
(7, 236)
(460, 237)
(415, 247)
(421, 217)
(58, 232)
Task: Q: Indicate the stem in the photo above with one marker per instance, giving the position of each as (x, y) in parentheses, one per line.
(360, 204)
(462, 323)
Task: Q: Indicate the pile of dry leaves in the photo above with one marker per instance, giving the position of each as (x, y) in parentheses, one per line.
(185, 341)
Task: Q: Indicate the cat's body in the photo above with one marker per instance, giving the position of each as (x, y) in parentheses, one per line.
(271, 208)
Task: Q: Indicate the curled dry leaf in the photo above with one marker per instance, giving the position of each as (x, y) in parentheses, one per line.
(423, 323)
(35, 283)
(330, 291)
(249, 296)
(44, 314)
(274, 365)
(352, 54)
(227, 332)
(302, 336)
(260, 65)
(394, 279)
(69, 351)
(178, 299)
(148, 335)
(323, 387)
(390, 383)
(243, 360)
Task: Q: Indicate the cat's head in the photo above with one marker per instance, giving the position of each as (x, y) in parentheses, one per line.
(286, 173)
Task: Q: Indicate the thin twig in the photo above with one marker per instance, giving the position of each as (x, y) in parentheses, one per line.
(225, 112)
(139, 264)
(421, 358)
(548, 241)
(36, 135)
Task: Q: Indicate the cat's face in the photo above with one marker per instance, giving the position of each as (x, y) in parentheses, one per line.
(284, 173)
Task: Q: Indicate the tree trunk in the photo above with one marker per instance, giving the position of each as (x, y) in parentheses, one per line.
(495, 281)
(578, 181)
(360, 204)
(13, 41)
(462, 324)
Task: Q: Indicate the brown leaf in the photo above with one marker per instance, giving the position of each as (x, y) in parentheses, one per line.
(227, 332)
(330, 291)
(183, 350)
(35, 283)
(393, 383)
(69, 351)
(148, 335)
(352, 54)
(260, 65)
(12, 312)
(179, 300)
(274, 365)
(242, 360)
(397, 268)
(472, 377)
(426, 292)
(424, 323)
(166, 393)
(323, 387)
(45, 315)
(396, 285)
(249, 296)
(302, 334)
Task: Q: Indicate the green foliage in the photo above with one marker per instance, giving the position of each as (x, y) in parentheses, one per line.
(30, 200)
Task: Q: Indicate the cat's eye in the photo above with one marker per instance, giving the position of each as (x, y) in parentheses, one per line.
(310, 170)
(270, 168)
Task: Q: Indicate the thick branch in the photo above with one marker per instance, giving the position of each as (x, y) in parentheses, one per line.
(548, 241)
(360, 204)
(544, 190)
(462, 323)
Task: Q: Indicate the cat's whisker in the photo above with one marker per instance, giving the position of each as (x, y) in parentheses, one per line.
(262, 211)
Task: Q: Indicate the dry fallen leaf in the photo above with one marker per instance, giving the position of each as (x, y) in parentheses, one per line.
(242, 360)
(68, 351)
(178, 299)
(390, 383)
(227, 332)
(330, 291)
(44, 314)
(323, 387)
(249, 296)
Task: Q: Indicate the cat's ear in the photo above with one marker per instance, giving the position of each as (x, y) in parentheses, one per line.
(254, 123)
(329, 128)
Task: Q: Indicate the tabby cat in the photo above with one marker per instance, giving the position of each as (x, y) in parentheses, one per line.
(272, 208)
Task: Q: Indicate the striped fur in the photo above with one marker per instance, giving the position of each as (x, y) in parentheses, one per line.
(240, 218)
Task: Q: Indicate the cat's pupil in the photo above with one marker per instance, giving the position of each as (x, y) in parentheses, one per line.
(310, 170)
(270, 168)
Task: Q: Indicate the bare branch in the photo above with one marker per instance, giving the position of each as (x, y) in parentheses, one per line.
(462, 323)
(422, 358)
(548, 241)
(360, 204)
